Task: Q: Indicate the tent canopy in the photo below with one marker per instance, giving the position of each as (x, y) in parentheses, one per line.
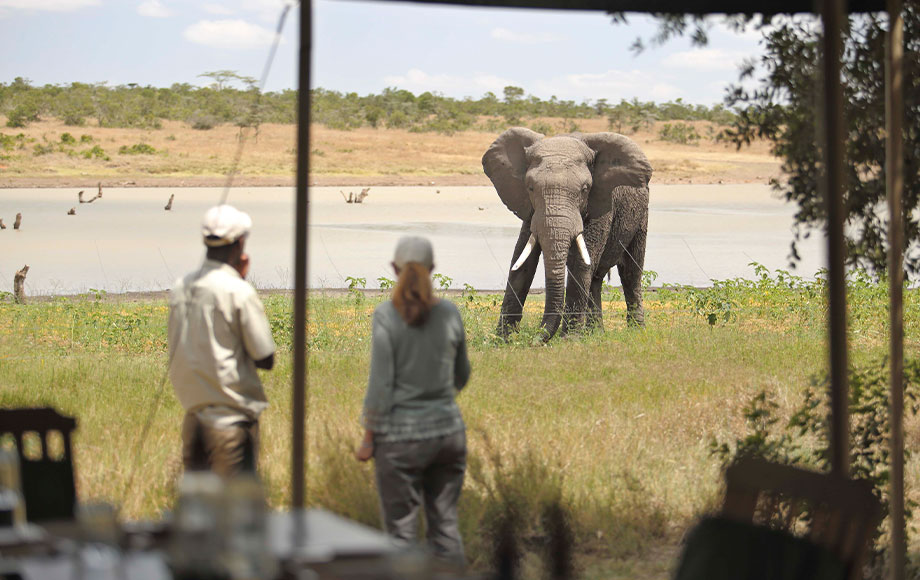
(697, 7)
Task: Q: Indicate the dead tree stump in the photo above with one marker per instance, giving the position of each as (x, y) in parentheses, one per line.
(80, 196)
(17, 222)
(169, 203)
(355, 197)
(19, 281)
(2, 225)
(73, 211)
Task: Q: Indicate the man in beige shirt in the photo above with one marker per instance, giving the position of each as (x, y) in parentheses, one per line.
(218, 337)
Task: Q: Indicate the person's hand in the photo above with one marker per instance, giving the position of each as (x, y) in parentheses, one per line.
(242, 266)
(365, 451)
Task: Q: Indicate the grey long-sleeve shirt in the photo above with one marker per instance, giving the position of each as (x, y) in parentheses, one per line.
(415, 374)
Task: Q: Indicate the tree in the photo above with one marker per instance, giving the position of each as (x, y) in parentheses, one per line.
(783, 109)
(600, 107)
(513, 94)
(222, 78)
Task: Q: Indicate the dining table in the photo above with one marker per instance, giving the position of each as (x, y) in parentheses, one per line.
(309, 543)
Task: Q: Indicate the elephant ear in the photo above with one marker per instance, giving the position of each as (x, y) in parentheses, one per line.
(618, 164)
(505, 163)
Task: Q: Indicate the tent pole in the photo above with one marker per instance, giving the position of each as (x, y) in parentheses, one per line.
(832, 17)
(894, 175)
(298, 427)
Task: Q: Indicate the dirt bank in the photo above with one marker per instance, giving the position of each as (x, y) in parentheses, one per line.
(51, 154)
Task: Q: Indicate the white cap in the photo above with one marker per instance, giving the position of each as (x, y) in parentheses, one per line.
(413, 249)
(224, 224)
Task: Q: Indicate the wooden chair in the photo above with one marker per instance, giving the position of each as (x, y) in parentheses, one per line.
(835, 513)
(47, 482)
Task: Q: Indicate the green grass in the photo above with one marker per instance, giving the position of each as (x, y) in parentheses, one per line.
(615, 425)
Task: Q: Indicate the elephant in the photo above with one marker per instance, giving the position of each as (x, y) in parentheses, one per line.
(583, 202)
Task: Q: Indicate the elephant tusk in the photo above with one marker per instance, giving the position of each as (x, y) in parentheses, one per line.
(531, 242)
(583, 248)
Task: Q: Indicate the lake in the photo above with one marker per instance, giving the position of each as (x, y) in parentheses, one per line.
(126, 241)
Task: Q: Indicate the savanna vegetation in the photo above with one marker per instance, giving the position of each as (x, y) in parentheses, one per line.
(79, 134)
(625, 429)
(236, 100)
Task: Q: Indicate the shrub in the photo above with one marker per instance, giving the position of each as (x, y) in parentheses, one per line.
(22, 115)
(805, 439)
(443, 281)
(542, 127)
(86, 138)
(74, 119)
(203, 122)
(681, 133)
(67, 139)
(397, 120)
(137, 149)
(96, 152)
(10, 142)
(42, 149)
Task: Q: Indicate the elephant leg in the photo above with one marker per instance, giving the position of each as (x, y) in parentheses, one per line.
(630, 269)
(576, 295)
(518, 285)
(579, 292)
(595, 304)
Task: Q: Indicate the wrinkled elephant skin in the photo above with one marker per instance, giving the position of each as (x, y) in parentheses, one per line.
(583, 203)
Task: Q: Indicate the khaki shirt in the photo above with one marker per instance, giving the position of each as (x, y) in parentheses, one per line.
(217, 330)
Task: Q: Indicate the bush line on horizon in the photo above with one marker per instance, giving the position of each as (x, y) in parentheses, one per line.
(230, 97)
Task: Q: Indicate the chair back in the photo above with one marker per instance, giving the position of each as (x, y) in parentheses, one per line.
(47, 482)
(836, 513)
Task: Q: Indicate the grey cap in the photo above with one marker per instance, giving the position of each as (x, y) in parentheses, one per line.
(413, 249)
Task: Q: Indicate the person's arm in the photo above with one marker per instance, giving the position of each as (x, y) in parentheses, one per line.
(462, 361)
(379, 396)
(266, 363)
(257, 332)
(366, 448)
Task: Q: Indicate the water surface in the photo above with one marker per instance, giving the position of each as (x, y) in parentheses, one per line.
(127, 242)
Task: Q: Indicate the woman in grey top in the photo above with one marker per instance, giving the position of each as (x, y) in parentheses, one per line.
(413, 427)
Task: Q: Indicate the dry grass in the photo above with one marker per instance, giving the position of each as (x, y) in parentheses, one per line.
(362, 156)
(615, 423)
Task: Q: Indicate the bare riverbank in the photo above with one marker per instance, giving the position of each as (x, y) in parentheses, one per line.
(49, 154)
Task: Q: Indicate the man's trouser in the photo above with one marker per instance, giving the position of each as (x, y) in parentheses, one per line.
(226, 450)
(430, 471)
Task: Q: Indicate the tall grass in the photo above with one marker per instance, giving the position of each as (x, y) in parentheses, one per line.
(614, 425)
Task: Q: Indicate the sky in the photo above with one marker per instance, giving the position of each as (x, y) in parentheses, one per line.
(364, 47)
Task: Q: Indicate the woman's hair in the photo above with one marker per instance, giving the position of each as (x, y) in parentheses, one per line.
(413, 296)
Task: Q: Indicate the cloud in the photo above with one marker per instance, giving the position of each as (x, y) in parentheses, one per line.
(229, 34)
(612, 85)
(218, 9)
(523, 37)
(153, 9)
(474, 85)
(705, 59)
(48, 5)
(265, 10)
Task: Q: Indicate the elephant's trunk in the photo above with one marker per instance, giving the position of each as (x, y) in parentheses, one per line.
(557, 232)
(555, 295)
